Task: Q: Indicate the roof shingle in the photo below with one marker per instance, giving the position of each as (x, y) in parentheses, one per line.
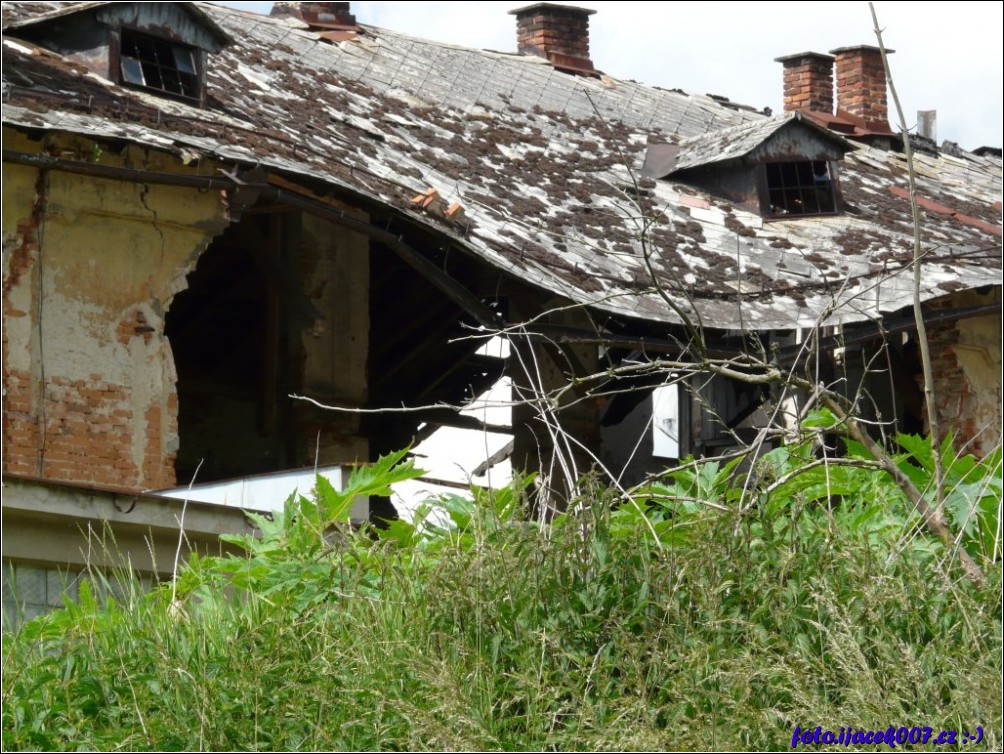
(546, 166)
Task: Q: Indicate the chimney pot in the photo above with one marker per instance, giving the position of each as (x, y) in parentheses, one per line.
(322, 15)
(861, 84)
(808, 82)
(927, 124)
(559, 33)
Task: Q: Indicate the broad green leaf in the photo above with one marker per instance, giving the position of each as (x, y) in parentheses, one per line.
(402, 532)
(332, 506)
(919, 449)
(820, 419)
(377, 478)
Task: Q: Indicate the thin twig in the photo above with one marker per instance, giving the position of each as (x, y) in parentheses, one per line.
(181, 534)
(918, 314)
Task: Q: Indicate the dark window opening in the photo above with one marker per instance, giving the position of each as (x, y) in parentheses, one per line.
(154, 63)
(801, 188)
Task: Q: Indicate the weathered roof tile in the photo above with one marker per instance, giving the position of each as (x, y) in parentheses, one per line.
(539, 159)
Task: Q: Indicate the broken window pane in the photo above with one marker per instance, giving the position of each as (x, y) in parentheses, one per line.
(184, 59)
(800, 188)
(666, 421)
(132, 71)
(159, 64)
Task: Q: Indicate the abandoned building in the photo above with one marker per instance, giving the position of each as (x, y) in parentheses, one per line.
(208, 211)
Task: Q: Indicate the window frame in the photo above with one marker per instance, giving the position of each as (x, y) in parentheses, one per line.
(193, 93)
(797, 183)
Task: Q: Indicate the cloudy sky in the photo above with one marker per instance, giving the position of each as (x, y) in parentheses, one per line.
(948, 55)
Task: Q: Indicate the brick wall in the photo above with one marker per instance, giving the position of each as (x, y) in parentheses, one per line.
(83, 431)
(317, 13)
(550, 30)
(861, 83)
(966, 360)
(90, 269)
(808, 82)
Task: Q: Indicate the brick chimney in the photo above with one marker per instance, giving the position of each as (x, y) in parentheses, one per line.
(808, 82)
(318, 15)
(559, 33)
(861, 84)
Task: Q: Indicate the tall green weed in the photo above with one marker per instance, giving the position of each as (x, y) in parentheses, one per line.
(713, 610)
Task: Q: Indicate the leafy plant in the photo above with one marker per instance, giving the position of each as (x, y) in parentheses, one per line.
(711, 610)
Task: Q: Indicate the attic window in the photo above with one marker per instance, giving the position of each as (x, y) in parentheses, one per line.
(800, 188)
(153, 63)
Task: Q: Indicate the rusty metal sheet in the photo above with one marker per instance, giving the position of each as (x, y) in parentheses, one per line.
(338, 35)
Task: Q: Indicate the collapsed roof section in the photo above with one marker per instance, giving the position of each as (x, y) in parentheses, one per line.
(546, 167)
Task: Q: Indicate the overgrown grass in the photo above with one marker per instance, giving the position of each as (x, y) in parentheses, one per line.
(659, 624)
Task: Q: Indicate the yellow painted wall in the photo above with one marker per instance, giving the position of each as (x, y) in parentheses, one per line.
(88, 279)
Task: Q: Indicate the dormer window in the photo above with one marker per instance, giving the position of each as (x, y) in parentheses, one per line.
(151, 63)
(160, 48)
(804, 187)
(780, 167)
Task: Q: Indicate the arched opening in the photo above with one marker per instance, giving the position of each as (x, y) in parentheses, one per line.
(229, 344)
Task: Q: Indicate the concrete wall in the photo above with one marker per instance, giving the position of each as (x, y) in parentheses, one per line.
(57, 535)
(74, 527)
(90, 267)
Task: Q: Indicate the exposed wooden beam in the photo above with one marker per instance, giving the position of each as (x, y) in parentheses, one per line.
(300, 198)
(494, 459)
(335, 212)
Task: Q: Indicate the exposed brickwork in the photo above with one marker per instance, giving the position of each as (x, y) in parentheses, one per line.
(20, 431)
(547, 30)
(20, 427)
(974, 420)
(808, 82)
(861, 83)
(82, 431)
(25, 252)
(158, 466)
(134, 325)
(89, 384)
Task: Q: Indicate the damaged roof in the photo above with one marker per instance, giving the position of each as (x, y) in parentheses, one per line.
(21, 18)
(546, 166)
(736, 142)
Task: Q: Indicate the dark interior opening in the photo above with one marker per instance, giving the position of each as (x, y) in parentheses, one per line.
(800, 188)
(421, 350)
(229, 351)
(153, 63)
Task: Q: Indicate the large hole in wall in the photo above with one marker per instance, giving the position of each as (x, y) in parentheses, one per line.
(882, 377)
(227, 342)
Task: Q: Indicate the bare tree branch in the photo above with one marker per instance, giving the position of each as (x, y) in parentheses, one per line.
(918, 314)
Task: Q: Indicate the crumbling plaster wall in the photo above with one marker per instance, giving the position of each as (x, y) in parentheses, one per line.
(90, 267)
(966, 359)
